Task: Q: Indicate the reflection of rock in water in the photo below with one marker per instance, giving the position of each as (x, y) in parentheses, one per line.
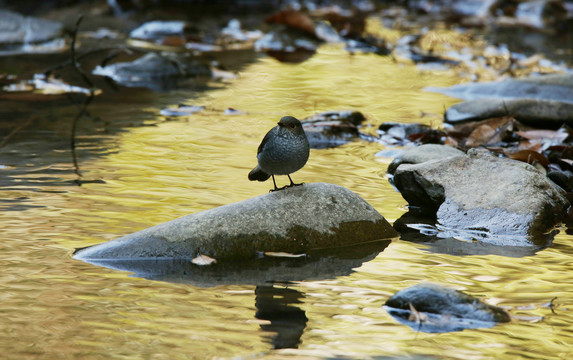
(288, 322)
(459, 242)
(317, 264)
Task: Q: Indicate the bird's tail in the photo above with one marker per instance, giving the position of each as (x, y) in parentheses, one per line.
(258, 174)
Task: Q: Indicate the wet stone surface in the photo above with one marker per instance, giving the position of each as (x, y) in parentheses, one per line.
(433, 308)
(512, 199)
(294, 220)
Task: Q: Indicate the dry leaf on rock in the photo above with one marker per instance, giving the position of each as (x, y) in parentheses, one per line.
(203, 260)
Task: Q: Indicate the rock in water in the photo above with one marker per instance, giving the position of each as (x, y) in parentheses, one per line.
(294, 220)
(434, 308)
(423, 153)
(482, 192)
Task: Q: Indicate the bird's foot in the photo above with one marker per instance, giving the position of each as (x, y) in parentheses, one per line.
(293, 184)
(282, 188)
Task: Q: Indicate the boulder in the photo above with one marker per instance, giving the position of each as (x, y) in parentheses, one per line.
(483, 193)
(557, 87)
(332, 128)
(434, 308)
(534, 112)
(422, 154)
(295, 220)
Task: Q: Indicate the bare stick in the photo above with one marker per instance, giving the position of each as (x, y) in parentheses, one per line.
(88, 100)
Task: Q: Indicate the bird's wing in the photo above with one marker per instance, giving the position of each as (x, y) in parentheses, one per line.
(265, 140)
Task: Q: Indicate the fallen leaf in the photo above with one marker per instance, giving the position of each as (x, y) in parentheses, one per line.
(482, 135)
(203, 260)
(530, 157)
(283, 254)
(415, 315)
(294, 20)
(534, 145)
(558, 135)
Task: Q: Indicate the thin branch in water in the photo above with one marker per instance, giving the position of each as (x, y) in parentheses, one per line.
(552, 305)
(118, 49)
(87, 101)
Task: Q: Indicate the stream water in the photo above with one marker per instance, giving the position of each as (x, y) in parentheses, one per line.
(141, 169)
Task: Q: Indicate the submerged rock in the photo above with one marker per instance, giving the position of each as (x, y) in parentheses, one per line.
(434, 309)
(422, 154)
(154, 70)
(508, 199)
(407, 134)
(332, 128)
(294, 220)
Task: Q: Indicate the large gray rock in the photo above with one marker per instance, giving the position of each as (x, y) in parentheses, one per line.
(295, 220)
(434, 308)
(423, 153)
(534, 112)
(549, 87)
(542, 101)
(481, 192)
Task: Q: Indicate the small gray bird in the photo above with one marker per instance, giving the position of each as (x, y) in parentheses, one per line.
(283, 151)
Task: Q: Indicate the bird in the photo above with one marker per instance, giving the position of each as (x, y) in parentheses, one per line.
(283, 151)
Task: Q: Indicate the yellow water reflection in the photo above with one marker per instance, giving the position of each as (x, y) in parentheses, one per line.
(55, 307)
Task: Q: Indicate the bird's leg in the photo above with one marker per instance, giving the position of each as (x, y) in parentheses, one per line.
(275, 184)
(292, 183)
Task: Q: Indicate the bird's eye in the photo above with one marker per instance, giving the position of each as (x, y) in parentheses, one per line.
(292, 126)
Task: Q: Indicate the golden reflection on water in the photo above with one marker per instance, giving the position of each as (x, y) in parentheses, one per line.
(56, 307)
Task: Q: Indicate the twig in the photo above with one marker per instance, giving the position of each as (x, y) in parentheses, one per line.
(118, 49)
(88, 100)
(75, 63)
(552, 305)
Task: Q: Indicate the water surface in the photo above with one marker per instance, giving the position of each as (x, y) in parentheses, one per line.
(143, 169)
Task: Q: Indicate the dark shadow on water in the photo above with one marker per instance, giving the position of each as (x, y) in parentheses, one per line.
(286, 320)
(316, 265)
(423, 230)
